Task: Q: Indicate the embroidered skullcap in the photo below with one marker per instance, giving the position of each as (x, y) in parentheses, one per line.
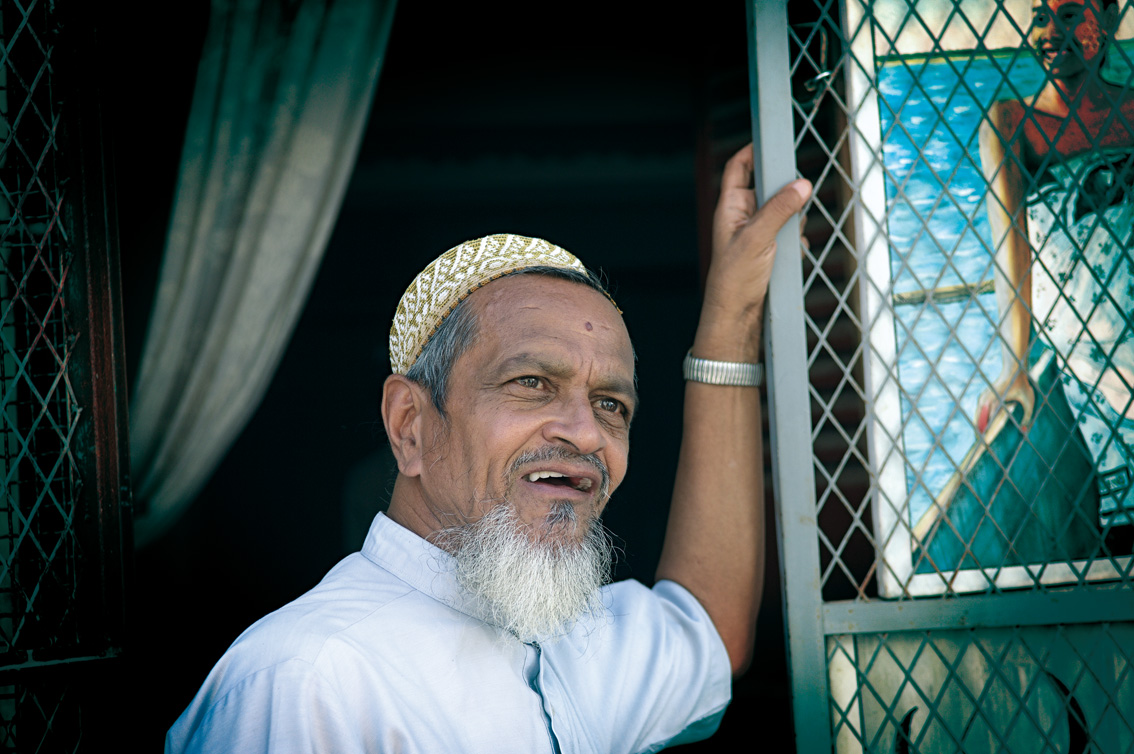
(451, 277)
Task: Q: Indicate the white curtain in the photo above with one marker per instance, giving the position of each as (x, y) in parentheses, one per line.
(281, 99)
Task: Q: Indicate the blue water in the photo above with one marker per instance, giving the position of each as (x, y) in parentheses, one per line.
(938, 229)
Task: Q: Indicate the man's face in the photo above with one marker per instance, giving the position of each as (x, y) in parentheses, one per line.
(1068, 35)
(537, 408)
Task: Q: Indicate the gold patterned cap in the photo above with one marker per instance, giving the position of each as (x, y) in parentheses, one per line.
(451, 277)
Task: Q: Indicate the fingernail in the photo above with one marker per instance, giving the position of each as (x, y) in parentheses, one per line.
(802, 187)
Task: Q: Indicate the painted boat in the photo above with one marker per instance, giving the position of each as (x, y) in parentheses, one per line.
(1022, 495)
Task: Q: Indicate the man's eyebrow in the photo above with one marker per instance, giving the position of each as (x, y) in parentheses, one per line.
(621, 388)
(522, 361)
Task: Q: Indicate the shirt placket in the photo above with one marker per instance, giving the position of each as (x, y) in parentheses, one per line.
(533, 655)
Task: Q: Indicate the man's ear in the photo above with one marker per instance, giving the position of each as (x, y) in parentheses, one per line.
(404, 403)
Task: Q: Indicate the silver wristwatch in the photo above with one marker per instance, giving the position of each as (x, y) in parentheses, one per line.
(739, 374)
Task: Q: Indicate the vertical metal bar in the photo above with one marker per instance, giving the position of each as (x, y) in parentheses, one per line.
(98, 365)
(788, 401)
(8, 486)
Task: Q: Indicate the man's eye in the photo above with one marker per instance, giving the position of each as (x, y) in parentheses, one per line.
(611, 406)
(529, 382)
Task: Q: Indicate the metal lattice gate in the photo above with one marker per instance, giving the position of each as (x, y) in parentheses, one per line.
(61, 530)
(957, 517)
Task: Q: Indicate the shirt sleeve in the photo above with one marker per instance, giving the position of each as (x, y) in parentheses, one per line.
(287, 708)
(655, 673)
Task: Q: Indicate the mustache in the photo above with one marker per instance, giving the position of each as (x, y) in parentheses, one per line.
(558, 453)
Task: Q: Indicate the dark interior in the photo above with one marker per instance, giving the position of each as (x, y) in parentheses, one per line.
(600, 129)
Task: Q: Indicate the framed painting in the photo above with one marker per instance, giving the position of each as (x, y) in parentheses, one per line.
(992, 144)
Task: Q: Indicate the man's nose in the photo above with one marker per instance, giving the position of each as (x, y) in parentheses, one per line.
(575, 424)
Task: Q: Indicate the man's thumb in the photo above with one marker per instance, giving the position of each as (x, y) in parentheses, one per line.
(787, 202)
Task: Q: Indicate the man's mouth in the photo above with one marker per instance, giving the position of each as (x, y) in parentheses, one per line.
(556, 479)
(561, 472)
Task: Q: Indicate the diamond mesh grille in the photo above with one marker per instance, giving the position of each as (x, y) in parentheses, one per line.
(1058, 689)
(40, 556)
(39, 716)
(915, 122)
(916, 492)
(40, 411)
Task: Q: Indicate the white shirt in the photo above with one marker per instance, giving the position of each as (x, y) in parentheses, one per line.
(388, 654)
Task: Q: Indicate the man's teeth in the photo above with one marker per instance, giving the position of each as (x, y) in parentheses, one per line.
(535, 476)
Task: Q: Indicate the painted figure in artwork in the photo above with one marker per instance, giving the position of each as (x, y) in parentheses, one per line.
(1060, 167)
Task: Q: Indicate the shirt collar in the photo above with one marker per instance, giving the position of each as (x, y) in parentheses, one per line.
(419, 563)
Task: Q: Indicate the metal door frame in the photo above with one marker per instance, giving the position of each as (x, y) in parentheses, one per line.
(809, 621)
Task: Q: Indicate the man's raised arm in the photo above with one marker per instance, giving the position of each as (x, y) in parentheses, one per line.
(714, 544)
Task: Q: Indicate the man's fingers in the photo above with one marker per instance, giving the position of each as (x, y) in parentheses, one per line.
(738, 171)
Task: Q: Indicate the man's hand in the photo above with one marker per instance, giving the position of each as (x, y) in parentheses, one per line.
(744, 247)
(714, 544)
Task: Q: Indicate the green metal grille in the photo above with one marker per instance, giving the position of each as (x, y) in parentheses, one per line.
(882, 279)
(38, 550)
(43, 717)
(973, 584)
(1053, 689)
(49, 590)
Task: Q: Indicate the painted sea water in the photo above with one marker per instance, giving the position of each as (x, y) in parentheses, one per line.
(948, 353)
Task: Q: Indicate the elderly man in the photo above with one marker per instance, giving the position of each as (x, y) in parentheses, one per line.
(475, 617)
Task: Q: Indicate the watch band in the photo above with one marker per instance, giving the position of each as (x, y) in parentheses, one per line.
(739, 374)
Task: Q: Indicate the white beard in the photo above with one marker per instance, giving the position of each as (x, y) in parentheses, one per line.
(535, 587)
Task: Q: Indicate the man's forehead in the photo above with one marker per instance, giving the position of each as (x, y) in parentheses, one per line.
(510, 297)
(545, 307)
